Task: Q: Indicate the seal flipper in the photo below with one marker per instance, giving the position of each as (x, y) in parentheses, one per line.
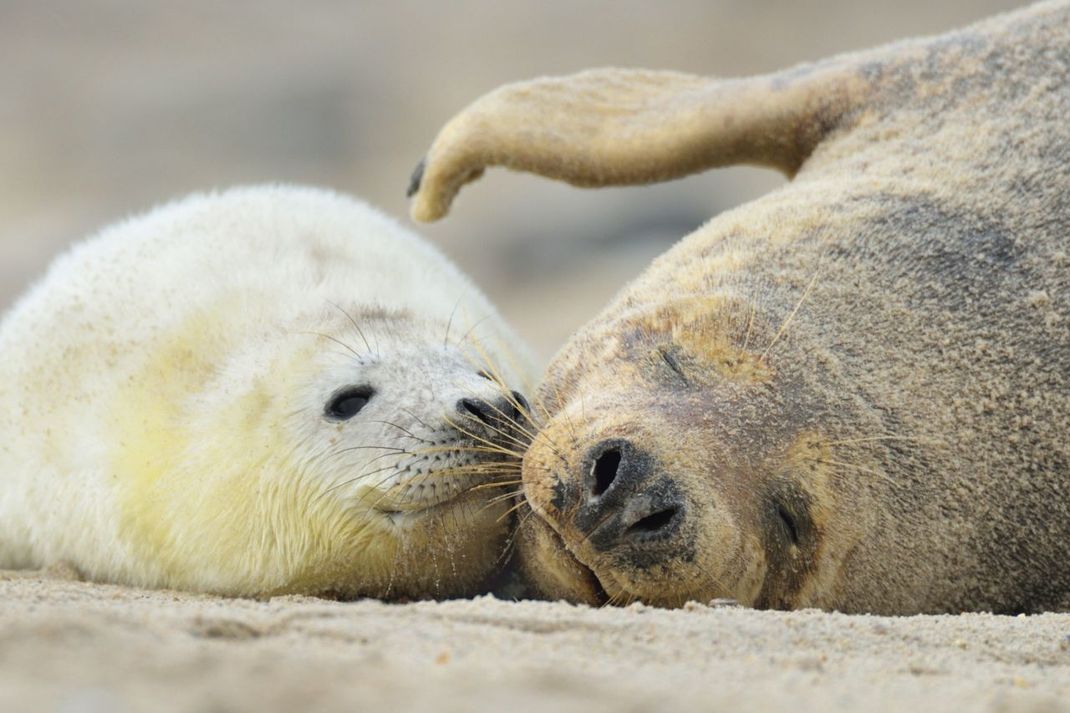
(624, 127)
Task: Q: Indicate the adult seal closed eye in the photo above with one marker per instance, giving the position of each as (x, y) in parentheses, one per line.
(852, 393)
(265, 390)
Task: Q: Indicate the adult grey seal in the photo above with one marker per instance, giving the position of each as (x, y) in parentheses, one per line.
(852, 393)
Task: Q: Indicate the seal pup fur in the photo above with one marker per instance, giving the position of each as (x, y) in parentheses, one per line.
(852, 393)
(255, 392)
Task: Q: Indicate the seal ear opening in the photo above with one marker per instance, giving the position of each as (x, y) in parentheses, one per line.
(615, 127)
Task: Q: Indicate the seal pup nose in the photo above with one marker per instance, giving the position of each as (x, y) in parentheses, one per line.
(477, 408)
(523, 408)
(503, 414)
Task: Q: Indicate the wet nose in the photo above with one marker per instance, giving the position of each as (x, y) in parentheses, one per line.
(501, 415)
(624, 503)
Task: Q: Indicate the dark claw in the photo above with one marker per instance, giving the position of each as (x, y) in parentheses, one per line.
(417, 176)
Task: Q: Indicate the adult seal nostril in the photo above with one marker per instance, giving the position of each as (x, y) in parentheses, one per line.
(638, 527)
(614, 464)
(652, 515)
(604, 471)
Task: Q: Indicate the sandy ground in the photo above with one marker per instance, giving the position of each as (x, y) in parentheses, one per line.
(112, 106)
(75, 647)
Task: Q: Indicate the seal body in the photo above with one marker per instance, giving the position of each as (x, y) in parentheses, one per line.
(269, 389)
(853, 393)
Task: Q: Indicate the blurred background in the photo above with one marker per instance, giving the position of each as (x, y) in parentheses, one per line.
(108, 107)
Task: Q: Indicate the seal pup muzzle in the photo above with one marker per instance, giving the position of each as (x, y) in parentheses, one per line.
(852, 393)
(266, 390)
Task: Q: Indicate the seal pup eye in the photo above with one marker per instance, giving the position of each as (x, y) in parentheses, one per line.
(348, 402)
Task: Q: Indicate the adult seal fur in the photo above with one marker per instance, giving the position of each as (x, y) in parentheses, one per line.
(265, 390)
(852, 393)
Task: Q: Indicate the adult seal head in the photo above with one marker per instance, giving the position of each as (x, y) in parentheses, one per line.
(266, 390)
(853, 393)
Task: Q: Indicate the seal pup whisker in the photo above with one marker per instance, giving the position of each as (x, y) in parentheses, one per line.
(336, 340)
(502, 467)
(404, 430)
(394, 466)
(511, 358)
(356, 326)
(516, 492)
(512, 495)
(499, 484)
(489, 446)
(503, 424)
(510, 511)
(483, 440)
(523, 408)
(363, 474)
(471, 449)
(449, 323)
(390, 450)
(511, 542)
(507, 434)
(472, 329)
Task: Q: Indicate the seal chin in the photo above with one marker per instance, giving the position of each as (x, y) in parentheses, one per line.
(550, 568)
(555, 571)
(587, 581)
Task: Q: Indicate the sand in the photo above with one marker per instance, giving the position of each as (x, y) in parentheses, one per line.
(76, 647)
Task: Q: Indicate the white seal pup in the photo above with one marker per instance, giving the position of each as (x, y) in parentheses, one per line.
(266, 390)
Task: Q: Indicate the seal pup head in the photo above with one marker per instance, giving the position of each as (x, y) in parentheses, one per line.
(317, 461)
(414, 448)
(717, 433)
